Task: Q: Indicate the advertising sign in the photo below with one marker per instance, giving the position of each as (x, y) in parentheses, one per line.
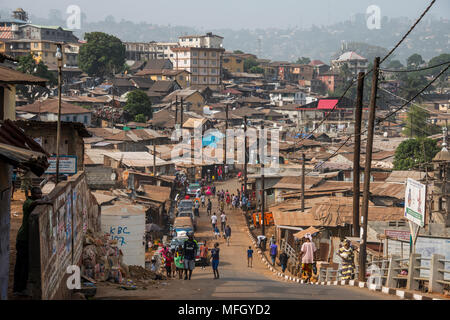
(398, 234)
(67, 165)
(415, 197)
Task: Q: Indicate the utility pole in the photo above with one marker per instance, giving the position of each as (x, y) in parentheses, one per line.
(367, 168)
(154, 157)
(225, 139)
(303, 182)
(261, 158)
(176, 110)
(356, 153)
(181, 113)
(245, 158)
(59, 56)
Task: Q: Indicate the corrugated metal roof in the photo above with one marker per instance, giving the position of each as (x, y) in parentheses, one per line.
(11, 76)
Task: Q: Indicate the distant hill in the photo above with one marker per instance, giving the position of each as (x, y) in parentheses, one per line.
(429, 39)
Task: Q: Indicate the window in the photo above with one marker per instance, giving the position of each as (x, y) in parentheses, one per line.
(204, 70)
(226, 60)
(238, 61)
(194, 70)
(47, 46)
(194, 61)
(204, 79)
(85, 119)
(213, 54)
(190, 40)
(194, 53)
(238, 70)
(213, 70)
(194, 78)
(214, 62)
(204, 54)
(35, 45)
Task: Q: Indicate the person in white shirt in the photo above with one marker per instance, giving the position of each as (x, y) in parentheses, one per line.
(214, 221)
(223, 220)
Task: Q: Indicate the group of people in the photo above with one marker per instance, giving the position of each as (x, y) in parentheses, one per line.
(234, 201)
(225, 228)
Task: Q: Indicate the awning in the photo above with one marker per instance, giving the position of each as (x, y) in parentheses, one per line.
(23, 158)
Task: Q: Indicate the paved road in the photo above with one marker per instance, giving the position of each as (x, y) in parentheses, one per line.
(237, 281)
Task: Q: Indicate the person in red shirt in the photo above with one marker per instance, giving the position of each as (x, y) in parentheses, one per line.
(168, 263)
(204, 255)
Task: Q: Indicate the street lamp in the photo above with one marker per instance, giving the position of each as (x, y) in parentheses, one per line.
(58, 130)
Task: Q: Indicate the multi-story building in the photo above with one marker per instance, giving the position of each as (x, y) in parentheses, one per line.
(202, 57)
(232, 62)
(354, 62)
(141, 51)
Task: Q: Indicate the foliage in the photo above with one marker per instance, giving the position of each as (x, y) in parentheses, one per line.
(140, 118)
(410, 153)
(102, 55)
(256, 69)
(250, 63)
(417, 123)
(414, 61)
(27, 64)
(303, 60)
(238, 51)
(395, 64)
(138, 104)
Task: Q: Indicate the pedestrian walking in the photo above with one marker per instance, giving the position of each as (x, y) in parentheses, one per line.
(216, 233)
(202, 197)
(222, 206)
(197, 209)
(189, 250)
(223, 221)
(250, 257)
(209, 207)
(228, 200)
(228, 234)
(215, 260)
(283, 260)
(273, 252)
(204, 255)
(174, 267)
(307, 253)
(179, 263)
(168, 264)
(214, 221)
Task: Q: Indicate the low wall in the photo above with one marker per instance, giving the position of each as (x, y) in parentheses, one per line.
(56, 236)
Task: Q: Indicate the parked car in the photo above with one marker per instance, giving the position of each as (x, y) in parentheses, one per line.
(185, 205)
(188, 213)
(193, 188)
(182, 224)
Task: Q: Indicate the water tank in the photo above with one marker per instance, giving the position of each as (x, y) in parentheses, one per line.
(126, 223)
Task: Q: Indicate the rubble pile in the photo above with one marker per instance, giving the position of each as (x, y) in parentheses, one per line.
(140, 273)
(102, 260)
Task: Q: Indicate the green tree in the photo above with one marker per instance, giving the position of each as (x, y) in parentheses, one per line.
(140, 118)
(412, 83)
(138, 105)
(250, 63)
(442, 82)
(256, 69)
(102, 55)
(414, 61)
(27, 64)
(395, 64)
(417, 123)
(238, 51)
(303, 60)
(410, 153)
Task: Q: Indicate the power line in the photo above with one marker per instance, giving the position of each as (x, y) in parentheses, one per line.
(415, 70)
(415, 96)
(381, 61)
(409, 31)
(381, 119)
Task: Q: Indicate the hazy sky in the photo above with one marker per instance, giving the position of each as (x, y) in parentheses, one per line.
(232, 13)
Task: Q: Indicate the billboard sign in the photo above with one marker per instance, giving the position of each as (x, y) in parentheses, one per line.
(415, 197)
(398, 234)
(67, 165)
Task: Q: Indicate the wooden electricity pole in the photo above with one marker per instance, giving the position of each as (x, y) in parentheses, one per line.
(225, 139)
(303, 182)
(367, 169)
(176, 110)
(356, 153)
(181, 113)
(154, 158)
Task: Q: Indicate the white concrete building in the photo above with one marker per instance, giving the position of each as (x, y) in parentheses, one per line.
(354, 62)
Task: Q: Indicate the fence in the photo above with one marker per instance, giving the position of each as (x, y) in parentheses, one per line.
(388, 273)
(56, 236)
